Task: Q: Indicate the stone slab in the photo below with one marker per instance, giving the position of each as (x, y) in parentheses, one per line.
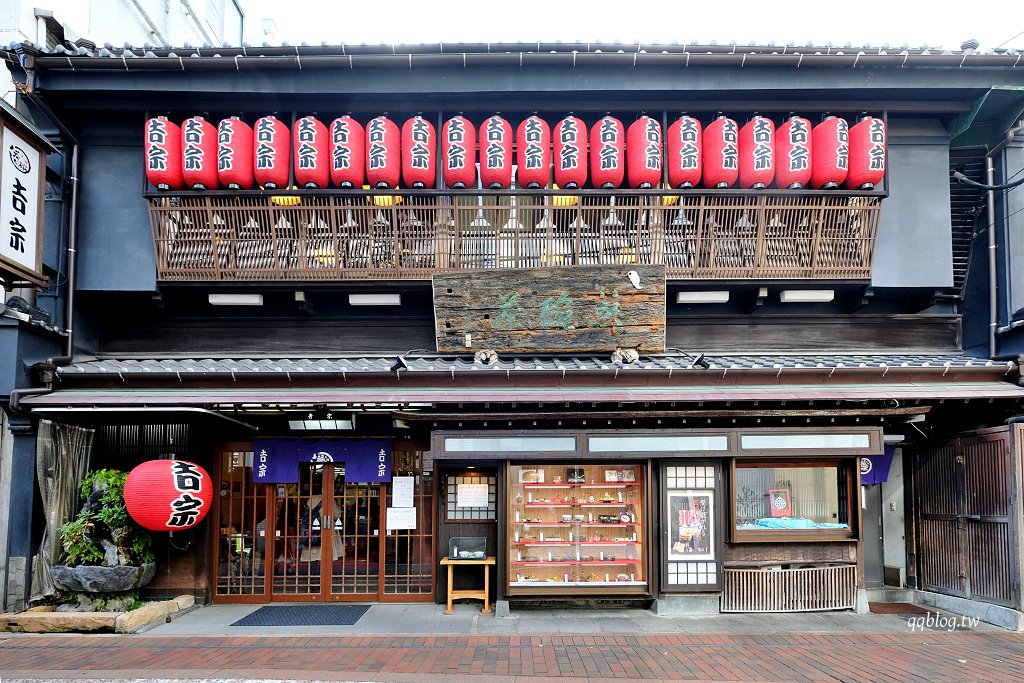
(58, 622)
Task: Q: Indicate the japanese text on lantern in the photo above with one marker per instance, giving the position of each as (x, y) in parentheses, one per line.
(185, 509)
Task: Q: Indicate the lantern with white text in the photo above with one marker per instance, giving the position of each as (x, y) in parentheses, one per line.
(348, 153)
(533, 153)
(684, 152)
(830, 153)
(721, 153)
(419, 153)
(793, 153)
(643, 153)
(383, 153)
(757, 153)
(271, 148)
(496, 153)
(867, 154)
(312, 153)
(570, 153)
(168, 495)
(607, 153)
(234, 154)
(458, 151)
(163, 154)
(199, 154)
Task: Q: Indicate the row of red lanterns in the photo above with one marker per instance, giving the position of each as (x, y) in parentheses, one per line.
(797, 154)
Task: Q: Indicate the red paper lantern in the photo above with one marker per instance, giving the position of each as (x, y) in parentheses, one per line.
(643, 153)
(607, 153)
(383, 153)
(793, 153)
(199, 154)
(163, 154)
(721, 153)
(684, 152)
(419, 153)
(757, 153)
(867, 154)
(830, 152)
(271, 149)
(348, 153)
(168, 495)
(234, 154)
(312, 153)
(496, 153)
(570, 153)
(533, 153)
(458, 149)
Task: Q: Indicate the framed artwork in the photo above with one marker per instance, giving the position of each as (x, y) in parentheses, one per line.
(531, 476)
(628, 475)
(612, 475)
(691, 524)
(575, 475)
(780, 502)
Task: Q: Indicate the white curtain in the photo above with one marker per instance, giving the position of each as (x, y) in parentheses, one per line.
(62, 461)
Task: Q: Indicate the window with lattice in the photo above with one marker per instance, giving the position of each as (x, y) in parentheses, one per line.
(471, 498)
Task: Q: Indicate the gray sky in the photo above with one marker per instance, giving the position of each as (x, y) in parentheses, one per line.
(915, 22)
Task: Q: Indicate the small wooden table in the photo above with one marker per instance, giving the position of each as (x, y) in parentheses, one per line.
(482, 595)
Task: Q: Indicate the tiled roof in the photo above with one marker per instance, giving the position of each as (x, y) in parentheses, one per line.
(418, 363)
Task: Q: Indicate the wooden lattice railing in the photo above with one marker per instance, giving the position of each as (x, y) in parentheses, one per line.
(359, 236)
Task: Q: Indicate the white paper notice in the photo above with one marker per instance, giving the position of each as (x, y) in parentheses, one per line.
(401, 518)
(401, 491)
(471, 496)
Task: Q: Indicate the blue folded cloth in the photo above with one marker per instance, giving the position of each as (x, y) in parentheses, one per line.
(790, 523)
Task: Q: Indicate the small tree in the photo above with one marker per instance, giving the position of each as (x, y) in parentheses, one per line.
(103, 534)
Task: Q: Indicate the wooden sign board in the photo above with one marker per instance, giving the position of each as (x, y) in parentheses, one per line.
(564, 309)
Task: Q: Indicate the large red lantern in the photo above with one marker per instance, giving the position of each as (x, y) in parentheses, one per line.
(643, 153)
(570, 153)
(496, 153)
(533, 153)
(721, 153)
(830, 153)
(234, 154)
(793, 153)
(312, 153)
(419, 153)
(458, 151)
(199, 154)
(383, 153)
(163, 154)
(607, 153)
(168, 495)
(757, 153)
(348, 153)
(271, 148)
(684, 152)
(867, 154)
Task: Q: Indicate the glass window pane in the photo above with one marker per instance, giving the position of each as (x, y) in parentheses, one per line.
(803, 441)
(511, 443)
(605, 444)
(791, 498)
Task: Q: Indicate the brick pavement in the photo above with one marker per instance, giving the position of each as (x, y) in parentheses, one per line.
(927, 656)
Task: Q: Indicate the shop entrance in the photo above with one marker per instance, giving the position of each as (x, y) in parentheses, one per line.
(322, 539)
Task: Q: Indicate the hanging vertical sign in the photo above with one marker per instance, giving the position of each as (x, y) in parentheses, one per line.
(199, 154)
(533, 153)
(757, 153)
(496, 153)
(867, 154)
(721, 153)
(643, 150)
(348, 153)
(458, 149)
(234, 154)
(22, 174)
(607, 153)
(793, 153)
(684, 153)
(570, 153)
(270, 150)
(163, 154)
(830, 153)
(419, 155)
(383, 153)
(312, 152)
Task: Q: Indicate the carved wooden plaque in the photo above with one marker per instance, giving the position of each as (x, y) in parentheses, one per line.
(564, 309)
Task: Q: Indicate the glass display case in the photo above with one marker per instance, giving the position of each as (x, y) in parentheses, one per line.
(575, 526)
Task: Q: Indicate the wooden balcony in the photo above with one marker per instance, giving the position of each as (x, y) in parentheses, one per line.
(358, 235)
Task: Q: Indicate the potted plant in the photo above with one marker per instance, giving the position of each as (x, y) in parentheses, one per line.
(105, 551)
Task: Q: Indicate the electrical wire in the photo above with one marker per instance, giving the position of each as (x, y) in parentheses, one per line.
(961, 178)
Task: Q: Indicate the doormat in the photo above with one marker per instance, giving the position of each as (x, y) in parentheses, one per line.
(896, 608)
(304, 615)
